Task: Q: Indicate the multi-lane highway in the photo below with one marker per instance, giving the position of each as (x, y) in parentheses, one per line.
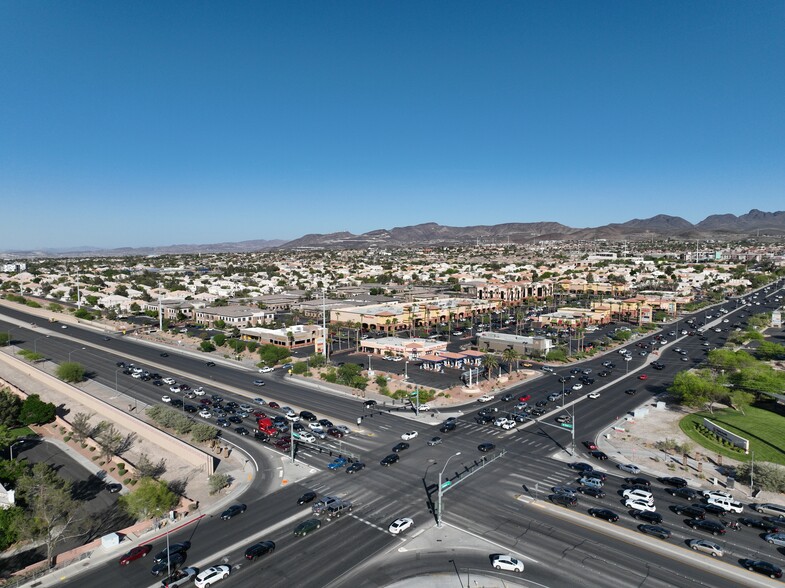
(484, 503)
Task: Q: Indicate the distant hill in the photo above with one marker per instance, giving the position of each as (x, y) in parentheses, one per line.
(719, 226)
(725, 226)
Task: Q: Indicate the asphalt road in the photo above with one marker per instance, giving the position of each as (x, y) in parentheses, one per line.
(480, 500)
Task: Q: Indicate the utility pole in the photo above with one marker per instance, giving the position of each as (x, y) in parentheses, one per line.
(325, 334)
(160, 309)
(441, 491)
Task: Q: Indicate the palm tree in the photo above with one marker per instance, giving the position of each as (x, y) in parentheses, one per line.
(509, 355)
(489, 362)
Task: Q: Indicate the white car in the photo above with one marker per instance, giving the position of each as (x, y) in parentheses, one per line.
(199, 391)
(205, 414)
(630, 468)
(211, 575)
(577, 386)
(315, 427)
(500, 421)
(168, 381)
(409, 435)
(507, 563)
(510, 424)
(174, 389)
(640, 505)
(288, 411)
(639, 495)
(136, 375)
(266, 370)
(718, 493)
(166, 399)
(593, 394)
(307, 437)
(400, 525)
(485, 398)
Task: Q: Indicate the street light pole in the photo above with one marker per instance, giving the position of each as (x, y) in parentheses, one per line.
(441, 491)
(72, 351)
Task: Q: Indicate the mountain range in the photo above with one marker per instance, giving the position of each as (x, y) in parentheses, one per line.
(717, 226)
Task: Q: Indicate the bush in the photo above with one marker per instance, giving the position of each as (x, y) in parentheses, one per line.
(66, 438)
(92, 448)
(127, 481)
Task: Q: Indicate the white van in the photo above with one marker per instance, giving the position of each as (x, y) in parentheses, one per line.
(727, 503)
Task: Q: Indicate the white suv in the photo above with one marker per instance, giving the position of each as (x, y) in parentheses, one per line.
(640, 505)
(211, 575)
(639, 495)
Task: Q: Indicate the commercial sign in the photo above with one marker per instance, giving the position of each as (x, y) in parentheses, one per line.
(727, 435)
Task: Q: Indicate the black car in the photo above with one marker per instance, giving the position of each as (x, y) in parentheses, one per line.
(355, 467)
(582, 466)
(483, 419)
(235, 419)
(157, 383)
(210, 364)
(694, 511)
(259, 549)
(654, 518)
(242, 431)
(638, 482)
(261, 436)
(307, 497)
(233, 511)
(175, 560)
(307, 415)
(390, 459)
(598, 455)
(171, 550)
(655, 530)
(447, 427)
(369, 403)
(762, 567)
(604, 513)
(114, 488)
(685, 493)
(507, 397)
(761, 524)
(714, 509)
(712, 527)
(540, 403)
(675, 482)
(589, 491)
(486, 447)
(164, 354)
(400, 447)
(595, 475)
(564, 500)
(630, 391)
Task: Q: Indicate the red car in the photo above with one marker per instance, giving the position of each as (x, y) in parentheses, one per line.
(590, 445)
(525, 398)
(259, 414)
(135, 553)
(273, 405)
(643, 377)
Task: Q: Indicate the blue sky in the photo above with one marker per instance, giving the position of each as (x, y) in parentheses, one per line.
(154, 123)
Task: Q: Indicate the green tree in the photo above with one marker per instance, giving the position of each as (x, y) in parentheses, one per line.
(509, 355)
(10, 521)
(768, 351)
(109, 441)
(206, 346)
(10, 407)
(272, 354)
(52, 515)
(217, 482)
(202, 432)
(135, 308)
(36, 412)
(5, 339)
(150, 498)
(490, 362)
(220, 324)
(146, 468)
(70, 371)
(767, 476)
(81, 428)
(219, 339)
